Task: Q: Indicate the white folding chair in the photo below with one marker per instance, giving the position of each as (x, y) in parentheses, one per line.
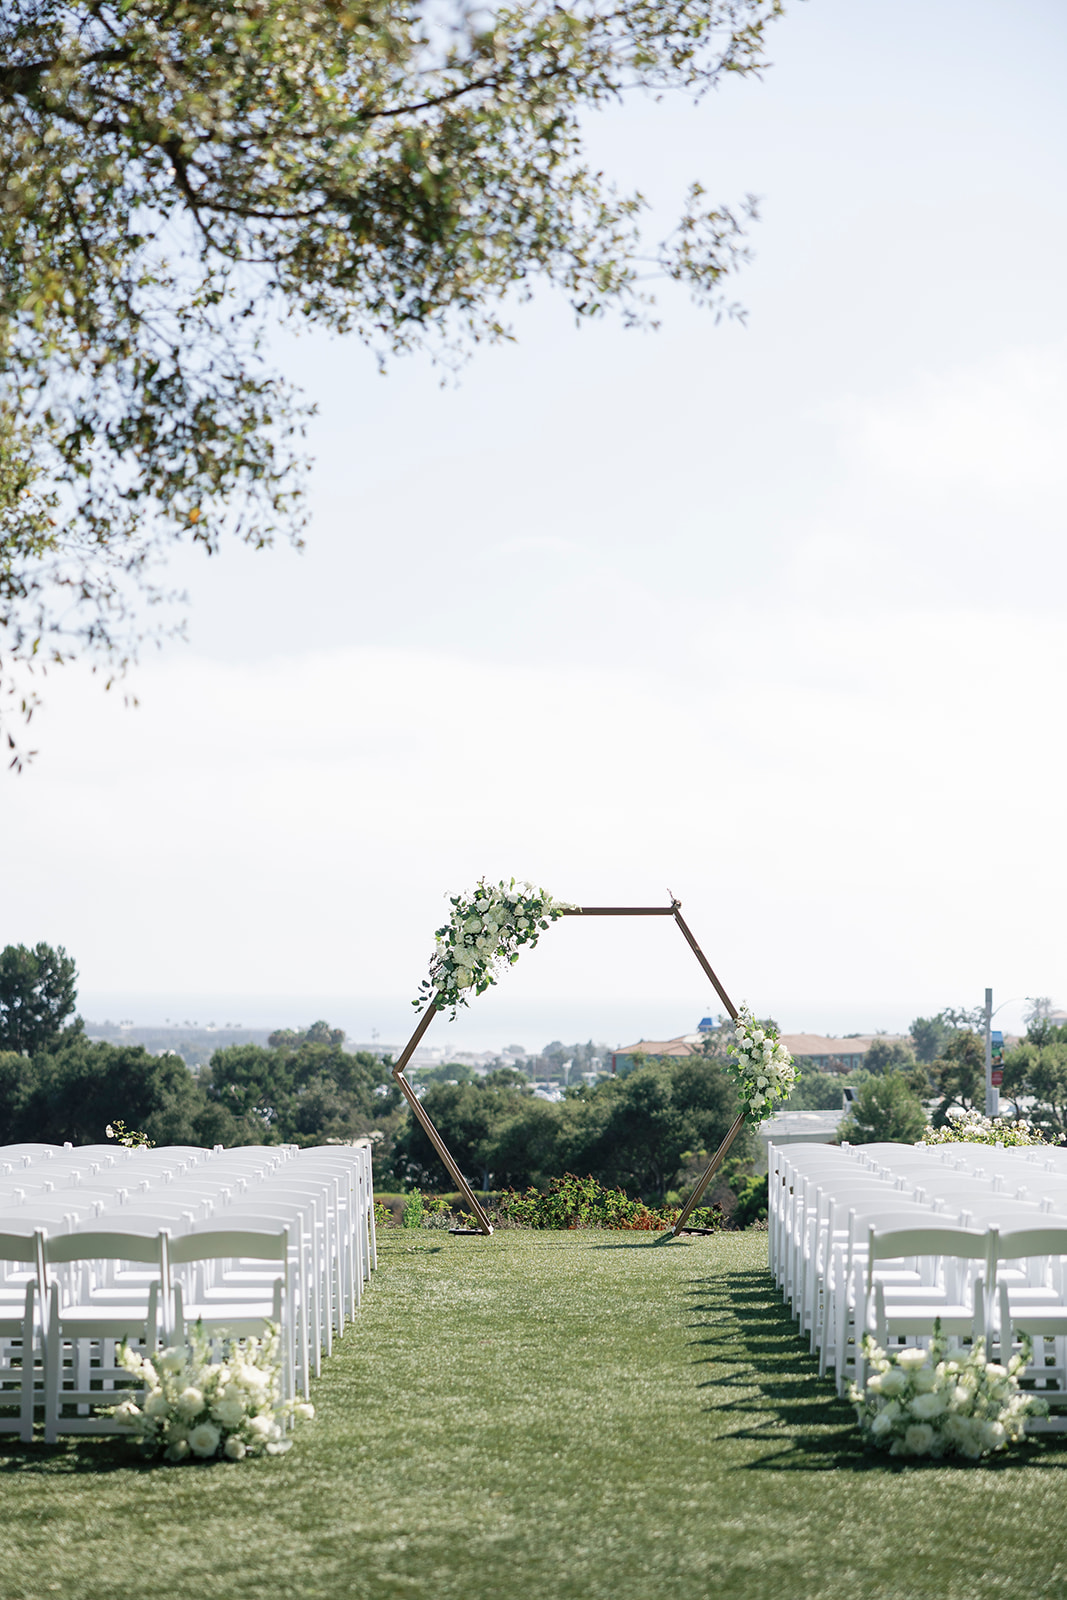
(82, 1338)
(20, 1345)
(945, 1254)
(216, 1243)
(1036, 1305)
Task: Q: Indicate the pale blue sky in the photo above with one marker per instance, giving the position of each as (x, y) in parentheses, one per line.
(768, 613)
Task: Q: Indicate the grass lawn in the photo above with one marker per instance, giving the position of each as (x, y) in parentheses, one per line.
(543, 1416)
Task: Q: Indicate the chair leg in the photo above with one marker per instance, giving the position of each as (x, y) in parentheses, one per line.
(26, 1396)
(53, 1360)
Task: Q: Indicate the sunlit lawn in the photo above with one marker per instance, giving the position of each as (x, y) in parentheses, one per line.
(538, 1416)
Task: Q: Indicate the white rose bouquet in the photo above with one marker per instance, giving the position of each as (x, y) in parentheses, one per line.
(193, 1408)
(486, 930)
(929, 1403)
(762, 1066)
(973, 1128)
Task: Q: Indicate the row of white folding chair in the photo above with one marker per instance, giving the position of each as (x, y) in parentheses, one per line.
(1025, 1292)
(786, 1164)
(253, 1160)
(821, 1200)
(797, 1170)
(349, 1168)
(966, 1261)
(814, 1233)
(897, 1283)
(82, 1335)
(901, 1289)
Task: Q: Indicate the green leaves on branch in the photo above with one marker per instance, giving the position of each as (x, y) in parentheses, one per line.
(174, 178)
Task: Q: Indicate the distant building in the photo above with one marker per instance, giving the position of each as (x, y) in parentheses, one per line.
(824, 1052)
(830, 1054)
(647, 1051)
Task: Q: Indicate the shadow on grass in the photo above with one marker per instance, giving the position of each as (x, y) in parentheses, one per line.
(106, 1454)
(769, 1379)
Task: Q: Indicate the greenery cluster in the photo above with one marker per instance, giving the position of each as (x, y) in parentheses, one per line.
(571, 1202)
(485, 931)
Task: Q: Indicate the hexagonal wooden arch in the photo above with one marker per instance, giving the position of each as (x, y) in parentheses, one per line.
(484, 1226)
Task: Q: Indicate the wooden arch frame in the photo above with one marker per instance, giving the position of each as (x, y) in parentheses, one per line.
(484, 1226)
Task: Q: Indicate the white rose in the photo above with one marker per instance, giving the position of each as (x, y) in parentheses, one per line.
(229, 1412)
(235, 1449)
(881, 1425)
(305, 1411)
(157, 1404)
(925, 1380)
(912, 1358)
(252, 1378)
(177, 1451)
(894, 1381)
(263, 1428)
(127, 1415)
(172, 1360)
(925, 1406)
(204, 1439)
(190, 1402)
(918, 1439)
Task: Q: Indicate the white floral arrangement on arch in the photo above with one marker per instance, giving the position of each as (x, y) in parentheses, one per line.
(484, 933)
(762, 1066)
(194, 1408)
(929, 1403)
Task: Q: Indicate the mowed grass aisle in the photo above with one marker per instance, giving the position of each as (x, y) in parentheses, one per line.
(547, 1417)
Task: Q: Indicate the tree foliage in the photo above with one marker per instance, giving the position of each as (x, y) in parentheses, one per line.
(37, 994)
(633, 1133)
(887, 1055)
(175, 177)
(930, 1035)
(885, 1109)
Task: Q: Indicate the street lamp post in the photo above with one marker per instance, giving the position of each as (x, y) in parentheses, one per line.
(992, 1092)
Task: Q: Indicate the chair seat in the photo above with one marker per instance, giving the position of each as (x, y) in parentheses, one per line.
(919, 1318)
(230, 1313)
(913, 1294)
(104, 1322)
(1046, 1320)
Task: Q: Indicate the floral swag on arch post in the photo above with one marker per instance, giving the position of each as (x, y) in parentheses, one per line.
(485, 933)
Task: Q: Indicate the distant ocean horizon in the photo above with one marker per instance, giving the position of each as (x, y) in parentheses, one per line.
(492, 1021)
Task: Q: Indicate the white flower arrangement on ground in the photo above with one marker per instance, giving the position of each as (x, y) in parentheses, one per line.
(929, 1403)
(486, 930)
(762, 1066)
(194, 1408)
(973, 1128)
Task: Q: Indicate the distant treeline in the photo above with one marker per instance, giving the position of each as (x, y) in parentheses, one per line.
(303, 1093)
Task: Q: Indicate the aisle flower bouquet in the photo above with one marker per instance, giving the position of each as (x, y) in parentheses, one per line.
(485, 931)
(929, 1403)
(973, 1128)
(195, 1408)
(762, 1066)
